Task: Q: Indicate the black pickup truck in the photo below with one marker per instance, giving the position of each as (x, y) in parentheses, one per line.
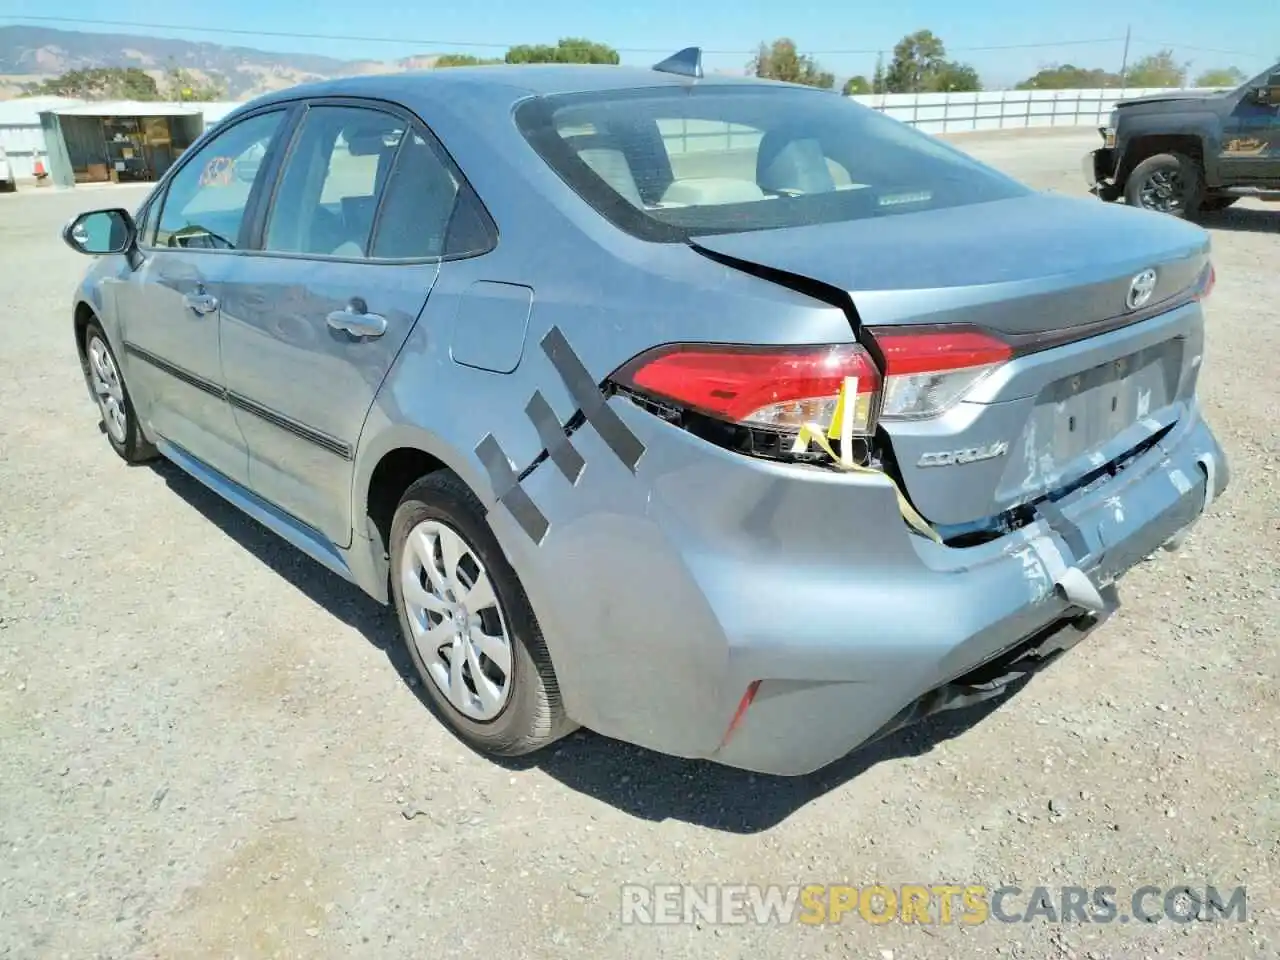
(1189, 152)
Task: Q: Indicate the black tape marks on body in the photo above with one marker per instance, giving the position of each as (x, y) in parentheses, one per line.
(586, 394)
(507, 489)
(1070, 533)
(562, 453)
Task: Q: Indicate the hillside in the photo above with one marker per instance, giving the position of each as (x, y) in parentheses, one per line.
(30, 54)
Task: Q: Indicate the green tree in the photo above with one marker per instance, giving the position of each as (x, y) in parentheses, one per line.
(958, 77)
(1221, 77)
(182, 85)
(567, 50)
(464, 60)
(1157, 70)
(1068, 77)
(915, 58)
(856, 86)
(781, 61)
(920, 65)
(100, 83)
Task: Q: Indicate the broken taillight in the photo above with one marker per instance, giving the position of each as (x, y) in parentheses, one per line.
(928, 370)
(778, 388)
(785, 388)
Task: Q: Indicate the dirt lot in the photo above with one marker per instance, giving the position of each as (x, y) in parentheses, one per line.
(209, 750)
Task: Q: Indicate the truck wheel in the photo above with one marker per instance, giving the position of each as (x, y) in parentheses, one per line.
(1166, 183)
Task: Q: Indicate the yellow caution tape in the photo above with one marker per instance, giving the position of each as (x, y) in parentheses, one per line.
(841, 428)
(843, 410)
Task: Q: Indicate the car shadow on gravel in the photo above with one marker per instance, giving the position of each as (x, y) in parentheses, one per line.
(640, 782)
(1244, 220)
(653, 786)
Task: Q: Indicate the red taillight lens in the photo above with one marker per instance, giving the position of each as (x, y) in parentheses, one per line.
(1207, 283)
(926, 371)
(768, 386)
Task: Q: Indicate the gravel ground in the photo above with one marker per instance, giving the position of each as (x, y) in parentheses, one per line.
(210, 749)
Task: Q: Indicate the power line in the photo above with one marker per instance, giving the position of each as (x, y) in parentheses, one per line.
(437, 43)
(1192, 46)
(1031, 46)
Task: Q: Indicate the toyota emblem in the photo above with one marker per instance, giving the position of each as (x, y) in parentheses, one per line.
(1141, 289)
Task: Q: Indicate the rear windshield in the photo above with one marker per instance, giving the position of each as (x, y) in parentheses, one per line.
(668, 163)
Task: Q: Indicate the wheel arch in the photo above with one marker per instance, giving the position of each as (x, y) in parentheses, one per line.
(85, 313)
(388, 463)
(1143, 146)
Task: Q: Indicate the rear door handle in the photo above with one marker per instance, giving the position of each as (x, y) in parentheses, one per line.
(200, 301)
(357, 320)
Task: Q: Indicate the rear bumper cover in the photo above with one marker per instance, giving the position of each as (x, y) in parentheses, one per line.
(665, 593)
(1012, 611)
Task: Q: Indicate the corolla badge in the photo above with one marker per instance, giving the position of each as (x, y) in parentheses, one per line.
(947, 458)
(1141, 289)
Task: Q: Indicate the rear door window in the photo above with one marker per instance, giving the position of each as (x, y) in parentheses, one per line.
(421, 195)
(328, 194)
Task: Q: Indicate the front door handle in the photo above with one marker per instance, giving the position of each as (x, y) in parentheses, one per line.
(200, 301)
(357, 320)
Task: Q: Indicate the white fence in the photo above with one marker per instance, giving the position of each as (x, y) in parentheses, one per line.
(21, 134)
(1001, 109)
(932, 113)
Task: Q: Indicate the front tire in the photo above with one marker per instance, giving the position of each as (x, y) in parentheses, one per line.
(119, 419)
(1169, 183)
(467, 624)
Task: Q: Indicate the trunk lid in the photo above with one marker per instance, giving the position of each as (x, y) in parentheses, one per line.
(1049, 274)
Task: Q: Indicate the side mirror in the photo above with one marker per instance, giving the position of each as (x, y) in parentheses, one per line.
(101, 232)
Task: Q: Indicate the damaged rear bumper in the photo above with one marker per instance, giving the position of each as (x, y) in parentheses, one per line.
(1049, 586)
(702, 574)
(1005, 671)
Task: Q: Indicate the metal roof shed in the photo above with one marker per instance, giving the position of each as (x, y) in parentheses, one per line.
(119, 140)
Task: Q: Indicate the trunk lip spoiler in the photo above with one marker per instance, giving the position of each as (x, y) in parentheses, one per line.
(1026, 344)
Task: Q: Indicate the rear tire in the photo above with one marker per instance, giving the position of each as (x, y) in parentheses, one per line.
(1169, 183)
(503, 699)
(119, 420)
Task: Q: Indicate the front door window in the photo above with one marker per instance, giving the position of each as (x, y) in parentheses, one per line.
(207, 198)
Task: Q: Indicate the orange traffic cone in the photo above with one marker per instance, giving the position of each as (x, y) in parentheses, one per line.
(41, 173)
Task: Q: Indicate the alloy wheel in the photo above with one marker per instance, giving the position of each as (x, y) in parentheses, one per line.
(1163, 191)
(109, 391)
(457, 623)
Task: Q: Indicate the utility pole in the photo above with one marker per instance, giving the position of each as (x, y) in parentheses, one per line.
(1124, 62)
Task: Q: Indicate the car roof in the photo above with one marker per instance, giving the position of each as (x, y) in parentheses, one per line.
(501, 83)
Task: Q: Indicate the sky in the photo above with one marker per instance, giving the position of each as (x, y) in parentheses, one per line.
(841, 34)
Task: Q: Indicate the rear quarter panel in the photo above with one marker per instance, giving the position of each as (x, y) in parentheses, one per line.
(612, 297)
